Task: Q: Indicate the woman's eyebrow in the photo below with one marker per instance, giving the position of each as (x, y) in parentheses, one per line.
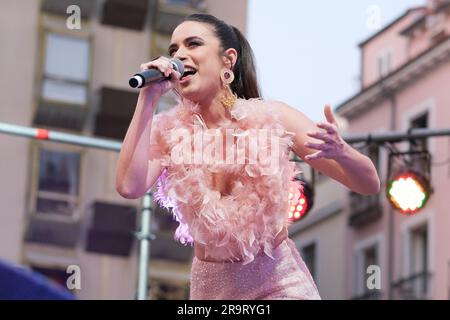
(173, 45)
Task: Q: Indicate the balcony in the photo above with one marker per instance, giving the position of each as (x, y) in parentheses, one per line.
(60, 7)
(129, 14)
(60, 115)
(171, 12)
(111, 229)
(364, 209)
(62, 233)
(115, 113)
(416, 286)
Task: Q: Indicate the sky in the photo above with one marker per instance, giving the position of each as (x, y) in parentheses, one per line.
(307, 52)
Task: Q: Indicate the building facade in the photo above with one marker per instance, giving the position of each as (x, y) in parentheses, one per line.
(60, 206)
(404, 71)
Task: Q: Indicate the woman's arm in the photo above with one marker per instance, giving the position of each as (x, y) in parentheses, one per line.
(333, 156)
(138, 166)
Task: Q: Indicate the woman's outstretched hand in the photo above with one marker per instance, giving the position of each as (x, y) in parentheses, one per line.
(333, 146)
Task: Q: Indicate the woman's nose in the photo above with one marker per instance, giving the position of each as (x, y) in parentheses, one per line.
(180, 54)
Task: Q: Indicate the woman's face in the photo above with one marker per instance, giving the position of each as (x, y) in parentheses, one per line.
(196, 45)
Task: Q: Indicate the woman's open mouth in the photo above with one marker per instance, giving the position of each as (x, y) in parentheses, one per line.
(188, 74)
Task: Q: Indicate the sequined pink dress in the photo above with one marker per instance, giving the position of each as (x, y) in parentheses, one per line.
(237, 228)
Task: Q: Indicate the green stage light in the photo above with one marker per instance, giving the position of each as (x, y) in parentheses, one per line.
(408, 192)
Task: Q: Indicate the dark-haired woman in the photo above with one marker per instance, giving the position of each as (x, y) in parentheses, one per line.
(221, 162)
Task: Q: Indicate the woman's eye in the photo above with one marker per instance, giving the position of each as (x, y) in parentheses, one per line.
(190, 44)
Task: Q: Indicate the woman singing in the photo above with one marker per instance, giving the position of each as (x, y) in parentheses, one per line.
(220, 161)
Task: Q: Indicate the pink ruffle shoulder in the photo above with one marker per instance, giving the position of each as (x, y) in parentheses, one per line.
(240, 224)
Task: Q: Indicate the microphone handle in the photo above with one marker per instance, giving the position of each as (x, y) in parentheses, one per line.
(142, 78)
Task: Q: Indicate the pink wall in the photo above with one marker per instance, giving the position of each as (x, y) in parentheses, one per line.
(421, 38)
(390, 39)
(430, 88)
(374, 120)
(427, 93)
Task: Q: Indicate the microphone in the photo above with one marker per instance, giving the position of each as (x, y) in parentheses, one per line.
(142, 78)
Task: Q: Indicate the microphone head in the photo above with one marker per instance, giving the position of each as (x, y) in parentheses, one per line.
(136, 82)
(178, 65)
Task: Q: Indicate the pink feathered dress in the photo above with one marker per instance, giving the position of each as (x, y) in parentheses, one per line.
(238, 228)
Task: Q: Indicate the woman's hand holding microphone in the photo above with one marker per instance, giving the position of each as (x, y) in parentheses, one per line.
(137, 168)
(156, 89)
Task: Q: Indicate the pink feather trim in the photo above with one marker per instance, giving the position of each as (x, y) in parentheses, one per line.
(241, 223)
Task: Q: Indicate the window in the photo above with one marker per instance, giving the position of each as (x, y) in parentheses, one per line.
(436, 23)
(365, 209)
(420, 122)
(374, 155)
(370, 256)
(415, 283)
(58, 182)
(419, 260)
(66, 69)
(384, 63)
(366, 256)
(419, 161)
(309, 257)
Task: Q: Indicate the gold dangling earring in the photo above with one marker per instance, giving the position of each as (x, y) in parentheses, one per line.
(229, 98)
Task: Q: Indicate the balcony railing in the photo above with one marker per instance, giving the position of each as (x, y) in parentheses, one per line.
(369, 295)
(114, 113)
(364, 209)
(416, 286)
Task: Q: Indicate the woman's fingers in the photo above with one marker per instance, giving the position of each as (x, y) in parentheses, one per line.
(167, 72)
(174, 79)
(315, 156)
(328, 127)
(163, 64)
(320, 135)
(318, 146)
(157, 61)
(332, 146)
(175, 74)
(329, 114)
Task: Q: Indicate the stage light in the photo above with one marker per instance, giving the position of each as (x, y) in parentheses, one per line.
(301, 201)
(408, 191)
